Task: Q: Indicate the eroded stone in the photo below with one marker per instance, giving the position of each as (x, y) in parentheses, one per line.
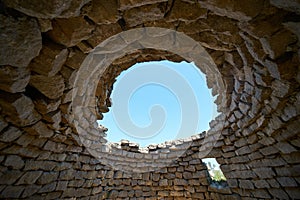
(20, 42)
(47, 9)
(52, 87)
(71, 31)
(13, 79)
(19, 109)
(50, 60)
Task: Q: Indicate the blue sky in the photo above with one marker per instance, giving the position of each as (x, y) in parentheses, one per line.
(154, 102)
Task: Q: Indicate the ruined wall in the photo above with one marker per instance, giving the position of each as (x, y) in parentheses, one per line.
(255, 48)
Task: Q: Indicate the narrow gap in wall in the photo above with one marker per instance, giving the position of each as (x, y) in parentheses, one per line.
(158, 101)
(217, 177)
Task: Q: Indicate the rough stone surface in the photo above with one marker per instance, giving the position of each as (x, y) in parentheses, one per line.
(15, 162)
(103, 12)
(48, 9)
(50, 100)
(14, 79)
(21, 38)
(50, 60)
(19, 109)
(70, 32)
(51, 87)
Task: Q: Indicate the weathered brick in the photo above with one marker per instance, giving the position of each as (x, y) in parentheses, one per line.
(12, 191)
(293, 192)
(47, 177)
(30, 190)
(14, 161)
(246, 184)
(11, 134)
(29, 177)
(264, 172)
(285, 147)
(10, 176)
(261, 184)
(287, 182)
(278, 193)
(260, 193)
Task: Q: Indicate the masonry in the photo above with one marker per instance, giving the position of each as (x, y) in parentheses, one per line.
(48, 101)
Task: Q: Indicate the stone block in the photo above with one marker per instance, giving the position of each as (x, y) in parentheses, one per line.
(285, 147)
(138, 15)
(55, 147)
(241, 142)
(261, 184)
(12, 192)
(9, 177)
(240, 159)
(14, 161)
(19, 109)
(163, 182)
(246, 184)
(48, 188)
(67, 174)
(268, 150)
(47, 177)
(62, 185)
(29, 177)
(293, 192)
(180, 182)
(278, 193)
(277, 44)
(71, 31)
(46, 9)
(30, 190)
(260, 193)
(52, 87)
(243, 150)
(186, 11)
(40, 165)
(287, 182)
(108, 9)
(11, 134)
(50, 60)
(163, 193)
(14, 79)
(273, 183)
(264, 172)
(40, 130)
(21, 40)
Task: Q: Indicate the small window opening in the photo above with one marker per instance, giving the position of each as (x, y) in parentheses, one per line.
(217, 178)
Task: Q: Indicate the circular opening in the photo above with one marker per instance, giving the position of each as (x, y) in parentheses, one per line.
(93, 84)
(158, 101)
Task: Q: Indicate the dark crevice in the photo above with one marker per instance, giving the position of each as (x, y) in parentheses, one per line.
(89, 21)
(122, 23)
(168, 8)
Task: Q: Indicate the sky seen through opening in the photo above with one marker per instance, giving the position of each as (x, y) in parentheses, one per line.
(159, 102)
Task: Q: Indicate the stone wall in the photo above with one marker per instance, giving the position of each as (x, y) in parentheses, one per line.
(47, 101)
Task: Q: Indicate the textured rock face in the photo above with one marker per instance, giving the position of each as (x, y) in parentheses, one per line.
(254, 45)
(14, 79)
(48, 9)
(20, 40)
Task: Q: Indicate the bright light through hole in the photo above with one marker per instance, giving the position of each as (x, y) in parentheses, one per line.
(149, 95)
(214, 169)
